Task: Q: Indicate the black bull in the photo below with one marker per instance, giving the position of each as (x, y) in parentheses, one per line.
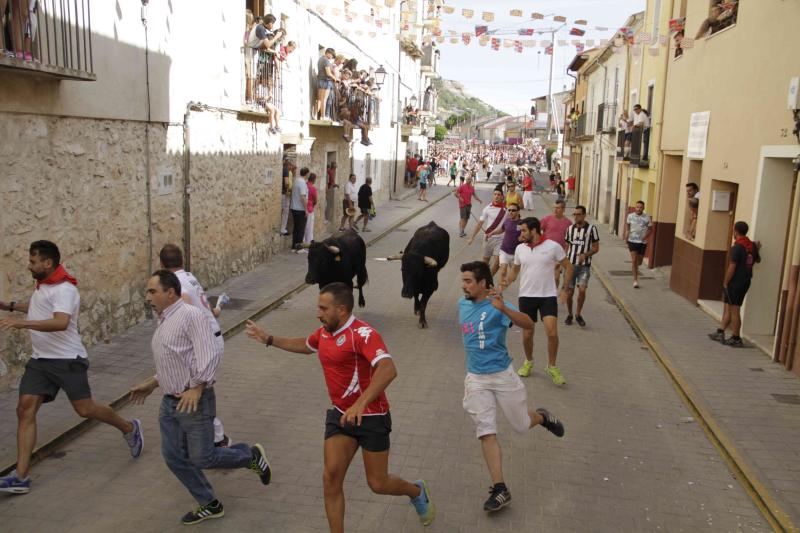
(425, 255)
(339, 258)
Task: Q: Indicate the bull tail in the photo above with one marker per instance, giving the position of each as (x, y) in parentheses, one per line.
(362, 278)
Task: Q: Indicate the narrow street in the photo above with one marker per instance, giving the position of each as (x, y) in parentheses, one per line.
(632, 458)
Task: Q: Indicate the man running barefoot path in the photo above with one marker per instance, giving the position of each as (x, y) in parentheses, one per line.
(59, 360)
(485, 318)
(357, 368)
(534, 261)
(638, 227)
(186, 358)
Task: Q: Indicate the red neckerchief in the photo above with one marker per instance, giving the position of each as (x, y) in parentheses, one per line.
(59, 275)
(746, 243)
(541, 240)
(501, 204)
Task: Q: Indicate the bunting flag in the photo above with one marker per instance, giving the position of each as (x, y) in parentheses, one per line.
(488, 16)
(601, 28)
(449, 9)
(577, 31)
(468, 13)
(579, 48)
(644, 38)
(440, 38)
(526, 31)
(562, 42)
(590, 42)
(466, 37)
(528, 43)
(575, 42)
(359, 32)
(368, 19)
(537, 16)
(495, 43)
(321, 9)
(379, 23)
(580, 22)
(389, 3)
(336, 11)
(508, 43)
(515, 13)
(662, 40)
(653, 51)
(687, 42)
(549, 50)
(677, 24)
(453, 40)
(559, 18)
(636, 50)
(482, 42)
(372, 34)
(480, 30)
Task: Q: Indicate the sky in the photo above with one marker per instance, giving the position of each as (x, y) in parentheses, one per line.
(506, 79)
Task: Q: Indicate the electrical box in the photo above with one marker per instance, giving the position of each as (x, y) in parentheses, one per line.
(720, 200)
(165, 185)
(794, 93)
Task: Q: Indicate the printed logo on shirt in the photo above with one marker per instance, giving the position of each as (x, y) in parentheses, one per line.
(354, 386)
(379, 352)
(365, 332)
(340, 340)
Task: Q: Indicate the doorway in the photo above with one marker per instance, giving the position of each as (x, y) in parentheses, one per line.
(671, 199)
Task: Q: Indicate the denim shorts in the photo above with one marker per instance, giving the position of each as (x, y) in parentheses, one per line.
(324, 84)
(580, 275)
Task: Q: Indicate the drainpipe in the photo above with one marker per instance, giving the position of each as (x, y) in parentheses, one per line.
(187, 190)
(393, 190)
(147, 177)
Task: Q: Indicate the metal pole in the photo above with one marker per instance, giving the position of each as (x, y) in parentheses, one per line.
(550, 83)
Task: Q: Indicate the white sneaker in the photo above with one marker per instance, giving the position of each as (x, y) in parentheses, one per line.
(635, 284)
(302, 251)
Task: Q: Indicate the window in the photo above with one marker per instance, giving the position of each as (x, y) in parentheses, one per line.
(721, 15)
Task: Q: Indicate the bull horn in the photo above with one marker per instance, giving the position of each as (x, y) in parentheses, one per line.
(431, 262)
(334, 250)
(395, 257)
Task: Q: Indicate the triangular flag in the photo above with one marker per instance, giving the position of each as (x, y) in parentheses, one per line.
(468, 13)
(644, 38)
(449, 9)
(508, 43)
(589, 42)
(601, 28)
(548, 50)
(516, 13)
(562, 42)
(466, 37)
(559, 18)
(488, 16)
(653, 51)
(580, 22)
(579, 47)
(480, 30)
(577, 31)
(528, 43)
(537, 16)
(526, 31)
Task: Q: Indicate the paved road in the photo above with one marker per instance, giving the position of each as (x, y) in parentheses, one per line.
(631, 460)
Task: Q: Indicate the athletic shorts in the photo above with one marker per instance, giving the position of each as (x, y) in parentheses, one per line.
(345, 205)
(492, 246)
(364, 211)
(531, 306)
(484, 392)
(734, 294)
(423, 186)
(372, 435)
(580, 276)
(45, 377)
(506, 258)
(638, 247)
(465, 211)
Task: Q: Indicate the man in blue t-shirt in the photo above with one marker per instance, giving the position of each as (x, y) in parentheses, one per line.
(491, 380)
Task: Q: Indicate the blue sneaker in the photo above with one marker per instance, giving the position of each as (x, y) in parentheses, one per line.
(14, 485)
(135, 438)
(423, 504)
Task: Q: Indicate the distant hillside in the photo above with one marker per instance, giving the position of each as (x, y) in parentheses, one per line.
(453, 99)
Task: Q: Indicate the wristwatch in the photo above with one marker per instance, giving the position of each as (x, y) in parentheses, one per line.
(11, 306)
(269, 341)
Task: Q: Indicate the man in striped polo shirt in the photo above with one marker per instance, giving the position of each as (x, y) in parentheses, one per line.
(186, 360)
(583, 241)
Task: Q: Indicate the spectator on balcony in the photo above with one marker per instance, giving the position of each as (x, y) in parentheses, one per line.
(626, 126)
(641, 120)
(427, 101)
(721, 15)
(249, 24)
(285, 50)
(21, 23)
(325, 79)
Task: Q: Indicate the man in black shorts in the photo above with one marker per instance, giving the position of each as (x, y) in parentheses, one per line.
(365, 203)
(535, 260)
(59, 360)
(743, 255)
(357, 368)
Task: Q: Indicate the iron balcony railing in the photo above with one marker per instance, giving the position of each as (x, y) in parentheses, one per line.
(52, 37)
(606, 113)
(263, 83)
(352, 104)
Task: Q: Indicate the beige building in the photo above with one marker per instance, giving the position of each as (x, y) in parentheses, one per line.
(728, 121)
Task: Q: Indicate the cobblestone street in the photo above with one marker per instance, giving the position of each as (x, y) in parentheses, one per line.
(632, 459)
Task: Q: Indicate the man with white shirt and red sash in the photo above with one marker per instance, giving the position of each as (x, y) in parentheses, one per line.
(59, 360)
(186, 360)
(492, 217)
(358, 368)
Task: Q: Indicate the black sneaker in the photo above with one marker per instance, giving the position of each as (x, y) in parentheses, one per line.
(733, 342)
(568, 320)
(204, 512)
(259, 464)
(224, 443)
(718, 336)
(498, 498)
(551, 423)
(581, 322)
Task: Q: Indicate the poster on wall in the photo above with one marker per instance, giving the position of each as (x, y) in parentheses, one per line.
(698, 134)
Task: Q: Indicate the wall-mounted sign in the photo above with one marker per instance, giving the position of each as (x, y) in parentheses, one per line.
(698, 134)
(720, 200)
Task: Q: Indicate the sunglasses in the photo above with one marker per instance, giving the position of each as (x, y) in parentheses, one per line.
(577, 214)
(513, 210)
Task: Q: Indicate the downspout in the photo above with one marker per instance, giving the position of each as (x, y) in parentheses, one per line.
(396, 117)
(147, 184)
(187, 190)
(571, 151)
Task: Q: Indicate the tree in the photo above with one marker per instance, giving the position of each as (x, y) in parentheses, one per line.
(441, 131)
(451, 121)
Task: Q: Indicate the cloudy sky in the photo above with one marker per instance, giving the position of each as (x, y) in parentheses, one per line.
(506, 79)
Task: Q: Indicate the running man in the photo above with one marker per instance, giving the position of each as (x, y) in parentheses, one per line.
(534, 262)
(485, 318)
(59, 360)
(510, 232)
(637, 230)
(465, 193)
(453, 173)
(554, 228)
(357, 368)
(583, 241)
(492, 215)
(171, 257)
(527, 192)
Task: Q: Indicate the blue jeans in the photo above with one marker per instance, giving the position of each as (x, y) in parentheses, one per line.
(187, 444)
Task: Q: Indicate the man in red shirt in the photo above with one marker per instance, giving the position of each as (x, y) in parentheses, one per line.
(357, 368)
(411, 168)
(570, 187)
(527, 192)
(554, 227)
(465, 193)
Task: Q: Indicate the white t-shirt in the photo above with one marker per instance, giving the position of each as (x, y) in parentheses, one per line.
(641, 118)
(192, 288)
(350, 191)
(489, 215)
(299, 189)
(536, 279)
(47, 300)
(638, 226)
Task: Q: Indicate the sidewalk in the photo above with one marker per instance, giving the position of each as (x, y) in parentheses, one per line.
(753, 405)
(127, 359)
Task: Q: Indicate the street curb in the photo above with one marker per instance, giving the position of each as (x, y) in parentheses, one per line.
(763, 499)
(47, 449)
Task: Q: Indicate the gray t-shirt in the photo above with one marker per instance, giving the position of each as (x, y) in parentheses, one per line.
(638, 227)
(321, 65)
(299, 189)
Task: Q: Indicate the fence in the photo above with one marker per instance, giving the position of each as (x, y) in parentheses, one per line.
(263, 81)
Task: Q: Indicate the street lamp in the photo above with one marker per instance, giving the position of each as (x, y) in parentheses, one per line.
(380, 76)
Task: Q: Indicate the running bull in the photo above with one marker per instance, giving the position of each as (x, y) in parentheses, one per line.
(339, 258)
(425, 255)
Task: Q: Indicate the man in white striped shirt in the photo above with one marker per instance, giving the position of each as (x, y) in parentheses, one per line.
(186, 360)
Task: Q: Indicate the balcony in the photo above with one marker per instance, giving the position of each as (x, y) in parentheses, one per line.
(55, 40)
(263, 84)
(606, 113)
(584, 129)
(411, 122)
(430, 61)
(639, 148)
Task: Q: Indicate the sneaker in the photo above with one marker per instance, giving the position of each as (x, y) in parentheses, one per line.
(635, 284)
(568, 320)
(718, 336)
(462, 234)
(204, 512)
(555, 375)
(526, 369)
(259, 464)
(425, 508)
(498, 498)
(224, 443)
(284, 233)
(302, 251)
(551, 423)
(135, 438)
(581, 322)
(14, 485)
(733, 342)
